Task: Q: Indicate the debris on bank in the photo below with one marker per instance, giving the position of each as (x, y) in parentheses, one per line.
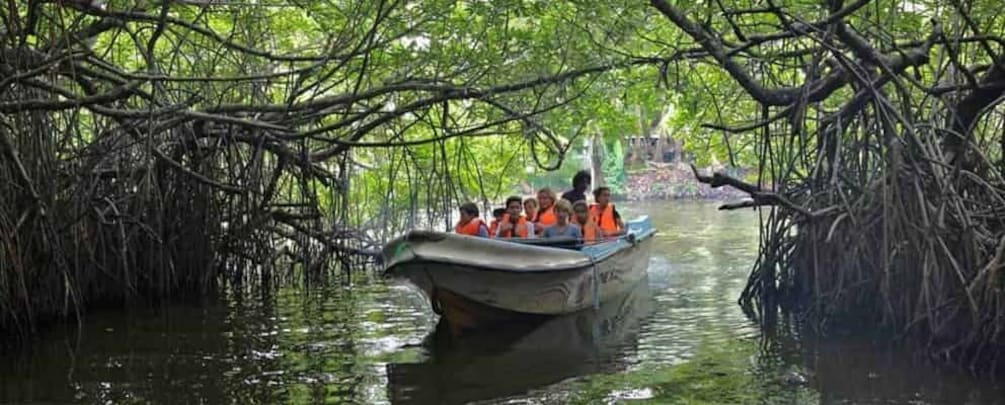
(666, 181)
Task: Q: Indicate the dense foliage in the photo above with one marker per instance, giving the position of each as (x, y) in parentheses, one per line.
(880, 157)
(151, 147)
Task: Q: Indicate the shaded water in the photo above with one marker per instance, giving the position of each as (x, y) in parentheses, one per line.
(680, 338)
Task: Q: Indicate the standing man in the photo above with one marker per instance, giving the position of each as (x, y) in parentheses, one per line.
(580, 183)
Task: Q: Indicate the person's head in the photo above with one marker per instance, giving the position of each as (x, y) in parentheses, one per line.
(581, 211)
(514, 205)
(602, 195)
(530, 206)
(498, 213)
(469, 211)
(563, 210)
(546, 198)
(581, 181)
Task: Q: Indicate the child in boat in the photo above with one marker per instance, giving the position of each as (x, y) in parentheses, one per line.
(604, 214)
(497, 217)
(562, 227)
(530, 209)
(470, 224)
(581, 216)
(545, 213)
(514, 225)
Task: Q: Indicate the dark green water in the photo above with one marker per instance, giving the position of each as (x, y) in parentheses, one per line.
(679, 339)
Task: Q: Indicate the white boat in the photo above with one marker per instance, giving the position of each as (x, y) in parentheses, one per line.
(476, 282)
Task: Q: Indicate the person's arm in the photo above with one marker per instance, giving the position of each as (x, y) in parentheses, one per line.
(504, 227)
(619, 222)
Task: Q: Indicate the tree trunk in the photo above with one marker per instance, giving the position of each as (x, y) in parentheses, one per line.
(597, 161)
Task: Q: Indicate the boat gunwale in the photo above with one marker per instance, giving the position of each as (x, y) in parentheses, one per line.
(639, 239)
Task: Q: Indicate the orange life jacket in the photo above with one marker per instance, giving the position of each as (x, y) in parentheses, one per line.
(520, 228)
(546, 217)
(493, 227)
(591, 232)
(605, 218)
(470, 228)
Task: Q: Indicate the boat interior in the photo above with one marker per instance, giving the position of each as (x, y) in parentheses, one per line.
(636, 226)
(561, 243)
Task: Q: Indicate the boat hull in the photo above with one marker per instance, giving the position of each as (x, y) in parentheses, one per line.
(462, 314)
(501, 362)
(470, 295)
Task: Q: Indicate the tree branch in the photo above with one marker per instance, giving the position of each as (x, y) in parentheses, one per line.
(115, 94)
(782, 96)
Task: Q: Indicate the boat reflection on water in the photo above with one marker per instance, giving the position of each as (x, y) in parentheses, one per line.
(514, 359)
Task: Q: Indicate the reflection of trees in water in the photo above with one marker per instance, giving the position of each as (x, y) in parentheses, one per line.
(321, 345)
(251, 346)
(855, 368)
(180, 352)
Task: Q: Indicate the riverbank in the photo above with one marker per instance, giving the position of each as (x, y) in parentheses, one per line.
(671, 181)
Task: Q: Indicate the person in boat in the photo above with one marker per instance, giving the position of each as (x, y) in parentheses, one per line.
(545, 214)
(513, 224)
(605, 215)
(497, 217)
(581, 216)
(530, 209)
(563, 227)
(470, 224)
(580, 183)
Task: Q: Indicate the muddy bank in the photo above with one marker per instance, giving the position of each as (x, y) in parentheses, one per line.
(676, 181)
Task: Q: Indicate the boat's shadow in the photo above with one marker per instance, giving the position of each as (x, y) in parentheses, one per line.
(518, 357)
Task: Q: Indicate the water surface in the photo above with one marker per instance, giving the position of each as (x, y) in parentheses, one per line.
(680, 338)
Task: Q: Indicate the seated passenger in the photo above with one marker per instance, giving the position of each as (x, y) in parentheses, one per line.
(604, 214)
(497, 216)
(470, 224)
(562, 227)
(530, 209)
(582, 217)
(514, 225)
(545, 214)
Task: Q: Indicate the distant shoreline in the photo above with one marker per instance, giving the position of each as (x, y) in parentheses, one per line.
(676, 182)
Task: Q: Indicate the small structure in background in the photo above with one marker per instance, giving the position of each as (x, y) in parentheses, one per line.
(655, 148)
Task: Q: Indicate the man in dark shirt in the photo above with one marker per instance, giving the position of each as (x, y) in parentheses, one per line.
(580, 183)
